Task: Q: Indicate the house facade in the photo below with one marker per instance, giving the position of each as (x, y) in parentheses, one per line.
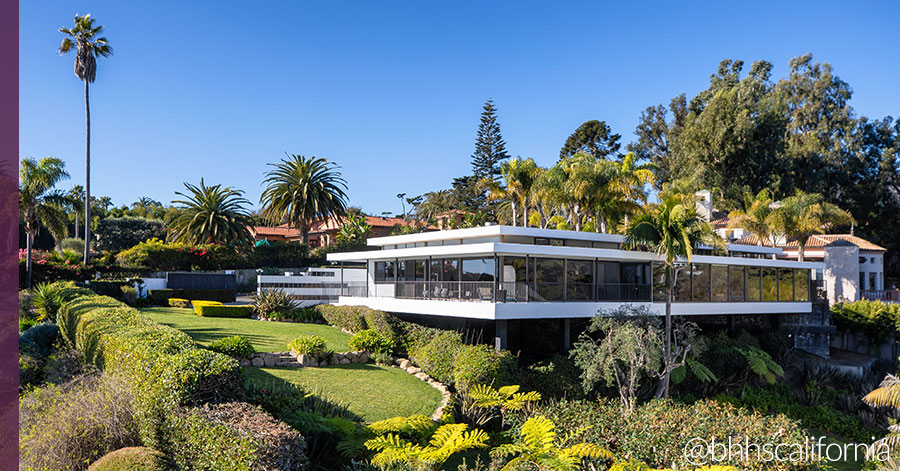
(497, 274)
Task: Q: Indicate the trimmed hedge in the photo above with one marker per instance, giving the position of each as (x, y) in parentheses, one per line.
(349, 318)
(178, 302)
(160, 297)
(196, 305)
(162, 365)
(224, 311)
(134, 458)
(111, 288)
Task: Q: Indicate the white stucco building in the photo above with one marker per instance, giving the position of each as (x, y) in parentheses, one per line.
(313, 286)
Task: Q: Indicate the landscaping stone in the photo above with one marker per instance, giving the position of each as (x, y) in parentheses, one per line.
(269, 360)
(345, 361)
(244, 362)
(422, 376)
(313, 362)
(257, 362)
(413, 370)
(404, 363)
(363, 357)
(338, 357)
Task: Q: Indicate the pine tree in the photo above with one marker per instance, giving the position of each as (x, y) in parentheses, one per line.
(490, 148)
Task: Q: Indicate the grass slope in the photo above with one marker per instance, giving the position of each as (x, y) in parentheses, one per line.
(372, 392)
(265, 336)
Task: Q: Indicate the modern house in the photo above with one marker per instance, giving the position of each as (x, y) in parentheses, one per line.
(511, 280)
(313, 286)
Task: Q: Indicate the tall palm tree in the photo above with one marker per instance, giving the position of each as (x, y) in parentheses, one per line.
(518, 175)
(803, 215)
(301, 189)
(211, 215)
(75, 200)
(756, 218)
(673, 230)
(39, 205)
(85, 39)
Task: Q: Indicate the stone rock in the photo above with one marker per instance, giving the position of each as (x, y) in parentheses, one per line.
(363, 357)
(350, 356)
(422, 376)
(413, 370)
(404, 363)
(269, 360)
(257, 362)
(338, 357)
(245, 362)
(312, 361)
(303, 359)
(345, 361)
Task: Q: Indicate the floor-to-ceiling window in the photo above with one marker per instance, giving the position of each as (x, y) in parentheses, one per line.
(769, 284)
(700, 282)
(659, 282)
(718, 277)
(478, 278)
(801, 285)
(608, 281)
(513, 279)
(785, 284)
(683, 283)
(736, 283)
(579, 280)
(548, 279)
(754, 283)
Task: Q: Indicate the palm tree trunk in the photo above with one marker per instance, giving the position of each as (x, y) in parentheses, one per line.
(515, 215)
(800, 253)
(87, 176)
(670, 288)
(29, 242)
(304, 232)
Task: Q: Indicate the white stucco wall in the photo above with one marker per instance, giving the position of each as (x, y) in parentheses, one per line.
(841, 273)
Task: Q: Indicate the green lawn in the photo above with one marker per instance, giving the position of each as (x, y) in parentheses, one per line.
(370, 391)
(265, 336)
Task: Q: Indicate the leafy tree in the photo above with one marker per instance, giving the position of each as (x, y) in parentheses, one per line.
(594, 138)
(85, 39)
(39, 205)
(116, 234)
(536, 446)
(490, 148)
(518, 177)
(355, 231)
(756, 216)
(446, 441)
(301, 189)
(672, 229)
(657, 138)
(211, 215)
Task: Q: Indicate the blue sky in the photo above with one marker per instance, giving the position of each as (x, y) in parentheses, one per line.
(392, 91)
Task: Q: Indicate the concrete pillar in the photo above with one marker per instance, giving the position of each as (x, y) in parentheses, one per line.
(500, 332)
(566, 335)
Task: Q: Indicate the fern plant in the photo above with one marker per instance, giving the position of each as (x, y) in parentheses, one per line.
(482, 402)
(446, 441)
(761, 363)
(537, 446)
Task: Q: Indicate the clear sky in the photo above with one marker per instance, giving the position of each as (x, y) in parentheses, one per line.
(392, 91)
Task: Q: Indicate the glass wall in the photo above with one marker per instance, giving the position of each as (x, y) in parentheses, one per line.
(548, 279)
(478, 269)
(385, 271)
(700, 282)
(718, 275)
(579, 280)
(659, 282)
(754, 283)
(735, 283)
(450, 269)
(683, 283)
(785, 284)
(769, 284)
(801, 285)
(513, 279)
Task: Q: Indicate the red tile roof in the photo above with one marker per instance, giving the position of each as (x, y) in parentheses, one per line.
(331, 224)
(819, 241)
(280, 231)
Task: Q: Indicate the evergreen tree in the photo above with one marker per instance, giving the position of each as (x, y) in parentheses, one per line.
(490, 148)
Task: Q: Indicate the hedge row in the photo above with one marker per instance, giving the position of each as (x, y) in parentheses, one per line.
(440, 353)
(160, 297)
(877, 319)
(224, 311)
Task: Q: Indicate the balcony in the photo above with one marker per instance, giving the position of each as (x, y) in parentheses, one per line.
(503, 292)
(886, 295)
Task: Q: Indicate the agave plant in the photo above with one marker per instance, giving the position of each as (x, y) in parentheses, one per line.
(536, 445)
(46, 300)
(270, 301)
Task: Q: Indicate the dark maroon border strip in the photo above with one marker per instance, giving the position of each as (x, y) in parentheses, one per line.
(9, 237)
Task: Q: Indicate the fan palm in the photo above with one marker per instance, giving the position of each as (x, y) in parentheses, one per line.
(805, 214)
(300, 190)
(536, 445)
(84, 38)
(75, 201)
(39, 205)
(211, 215)
(672, 229)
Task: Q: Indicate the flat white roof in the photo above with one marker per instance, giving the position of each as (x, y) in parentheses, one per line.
(498, 230)
(500, 248)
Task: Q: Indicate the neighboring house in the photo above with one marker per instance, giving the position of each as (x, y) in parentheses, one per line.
(281, 233)
(508, 278)
(450, 219)
(324, 231)
(313, 286)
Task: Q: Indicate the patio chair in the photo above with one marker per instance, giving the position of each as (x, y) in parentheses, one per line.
(484, 293)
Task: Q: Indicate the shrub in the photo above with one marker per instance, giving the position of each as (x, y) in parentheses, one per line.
(27, 323)
(876, 319)
(224, 311)
(178, 302)
(481, 364)
(310, 345)
(657, 432)
(72, 244)
(111, 288)
(303, 314)
(370, 341)
(233, 436)
(557, 377)
(46, 300)
(160, 297)
(268, 302)
(116, 234)
(349, 318)
(129, 295)
(42, 337)
(134, 458)
(386, 325)
(383, 358)
(67, 427)
(155, 255)
(235, 346)
(196, 305)
(436, 357)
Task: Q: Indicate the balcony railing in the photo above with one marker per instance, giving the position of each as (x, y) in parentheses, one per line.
(511, 292)
(886, 295)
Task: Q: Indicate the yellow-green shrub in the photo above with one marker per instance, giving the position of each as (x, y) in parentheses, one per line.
(179, 302)
(197, 303)
(214, 310)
